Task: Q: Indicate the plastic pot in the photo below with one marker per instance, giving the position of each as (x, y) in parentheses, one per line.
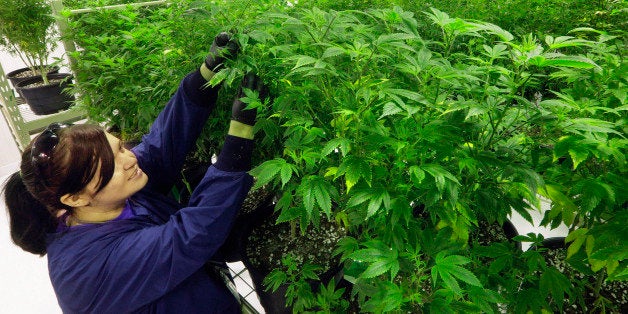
(18, 75)
(47, 99)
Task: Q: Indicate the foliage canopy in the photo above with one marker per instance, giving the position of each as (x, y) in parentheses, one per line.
(409, 141)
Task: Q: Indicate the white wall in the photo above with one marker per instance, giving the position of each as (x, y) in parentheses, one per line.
(24, 283)
(10, 155)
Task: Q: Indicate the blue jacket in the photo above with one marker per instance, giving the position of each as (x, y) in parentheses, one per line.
(153, 262)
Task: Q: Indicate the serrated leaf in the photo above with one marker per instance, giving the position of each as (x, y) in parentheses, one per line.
(267, 171)
(575, 234)
(286, 173)
(261, 36)
(390, 108)
(290, 213)
(560, 202)
(378, 197)
(316, 191)
(440, 174)
(564, 144)
(303, 60)
(354, 168)
(323, 198)
(359, 198)
(449, 281)
(448, 268)
(564, 41)
(596, 265)
(577, 62)
(387, 38)
(475, 111)
(365, 255)
(337, 143)
(373, 207)
(465, 275)
(405, 93)
(332, 52)
(377, 268)
(575, 246)
(284, 202)
(554, 283)
(495, 30)
(218, 78)
(578, 154)
(453, 260)
(590, 125)
(416, 175)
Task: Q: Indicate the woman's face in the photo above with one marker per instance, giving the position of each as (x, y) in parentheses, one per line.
(126, 180)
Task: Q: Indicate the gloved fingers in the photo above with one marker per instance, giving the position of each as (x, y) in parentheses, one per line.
(222, 39)
(253, 82)
(223, 46)
(238, 113)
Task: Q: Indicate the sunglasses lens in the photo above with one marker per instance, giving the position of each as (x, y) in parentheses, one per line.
(42, 148)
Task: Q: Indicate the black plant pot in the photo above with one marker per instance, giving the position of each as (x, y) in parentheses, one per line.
(22, 74)
(273, 302)
(47, 99)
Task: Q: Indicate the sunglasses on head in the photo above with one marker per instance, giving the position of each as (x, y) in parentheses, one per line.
(44, 144)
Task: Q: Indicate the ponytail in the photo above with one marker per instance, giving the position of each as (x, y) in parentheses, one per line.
(29, 219)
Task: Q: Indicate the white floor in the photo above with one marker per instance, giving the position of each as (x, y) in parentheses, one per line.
(24, 284)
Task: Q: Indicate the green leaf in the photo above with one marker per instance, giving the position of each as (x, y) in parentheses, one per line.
(366, 255)
(495, 30)
(316, 191)
(290, 213)
(358, 198)
(496, 52)
(439, 18)
(560, 202)
(578, 154)
(378, 268)
(448, 269)
(579, 125)
(390, 108)
(286, 173)
(303, 60)
(416, 175)
(564, 41)
(354, 168)
(267, 171)
(275, 279)
(556, 284)
(342, 143)
(449, 281)
(466, 276)
(577, 62)
(333, 52)
(440, 174)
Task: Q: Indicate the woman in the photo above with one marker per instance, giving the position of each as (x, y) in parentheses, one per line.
(115, 242)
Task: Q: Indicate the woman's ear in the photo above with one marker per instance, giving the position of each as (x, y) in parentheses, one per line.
(75, 200)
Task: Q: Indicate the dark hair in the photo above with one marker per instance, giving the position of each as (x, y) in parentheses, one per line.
(33, 198)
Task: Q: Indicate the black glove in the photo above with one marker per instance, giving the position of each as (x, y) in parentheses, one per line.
(238, 113)
(222, 46)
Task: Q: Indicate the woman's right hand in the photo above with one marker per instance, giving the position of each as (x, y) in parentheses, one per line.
(238, 112)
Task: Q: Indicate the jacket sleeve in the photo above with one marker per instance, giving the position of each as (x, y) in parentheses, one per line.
(162, 151)
(148, 263)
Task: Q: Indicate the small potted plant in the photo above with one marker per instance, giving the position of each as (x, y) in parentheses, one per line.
(26, 31)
